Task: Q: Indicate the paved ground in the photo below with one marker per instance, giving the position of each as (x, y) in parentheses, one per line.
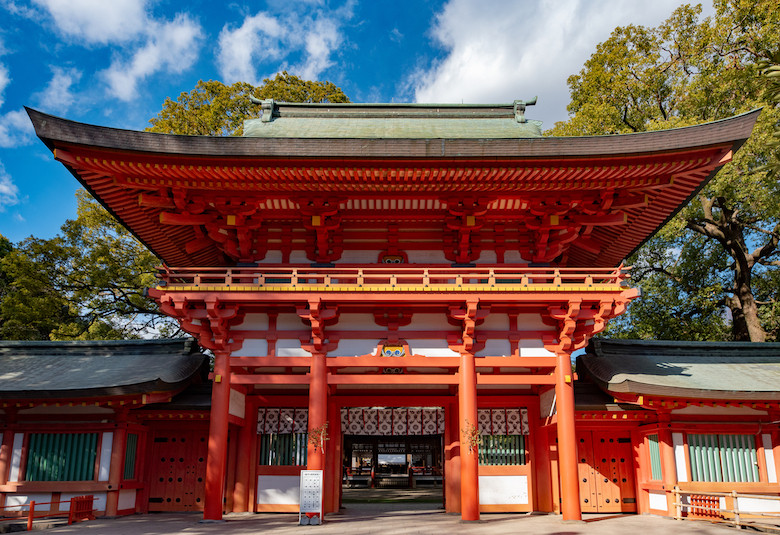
(391, 519)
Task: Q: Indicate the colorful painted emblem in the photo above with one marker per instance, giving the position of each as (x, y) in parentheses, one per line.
(393, 351)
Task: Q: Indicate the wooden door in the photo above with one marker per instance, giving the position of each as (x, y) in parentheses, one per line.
(178, 470)
(606, 472)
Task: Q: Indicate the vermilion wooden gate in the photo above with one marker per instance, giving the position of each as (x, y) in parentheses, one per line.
(179, 470)
(606, 471)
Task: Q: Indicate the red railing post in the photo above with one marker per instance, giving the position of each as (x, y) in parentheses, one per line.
(30, 516)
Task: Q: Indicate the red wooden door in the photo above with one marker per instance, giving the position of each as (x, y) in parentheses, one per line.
(606, 472)
(178, 470)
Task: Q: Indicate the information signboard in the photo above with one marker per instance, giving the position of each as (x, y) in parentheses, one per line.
(311, 497)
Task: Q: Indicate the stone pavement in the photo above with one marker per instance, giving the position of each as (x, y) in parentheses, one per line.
(391, 519)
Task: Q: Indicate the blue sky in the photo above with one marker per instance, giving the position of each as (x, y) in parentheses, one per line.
(113, 62)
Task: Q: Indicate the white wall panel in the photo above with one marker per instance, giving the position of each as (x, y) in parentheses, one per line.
(126, 499)
(272, 257)
(495, 322)
(431, 256)
(278, 490)
(658, 501)
(533, 348)
(532, 322)
(503, 490)
(513, 257)
(105, 455)
(429, 322)
(495, 347)
(98, 503)
(15, 501)
(679, 457)
(299, 257)
(354, 348)
(254, 322)
(431, 348)
(290, 348)
(290, 322)
(16, 457)
(766, 441)
(357, 322)
(487, 257)
(237, 406)
(252, 347)
(359, 257)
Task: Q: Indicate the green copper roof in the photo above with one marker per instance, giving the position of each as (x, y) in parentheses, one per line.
(393, 121)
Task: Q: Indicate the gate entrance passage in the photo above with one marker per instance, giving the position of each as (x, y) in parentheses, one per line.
(606, 471)
(392, 462)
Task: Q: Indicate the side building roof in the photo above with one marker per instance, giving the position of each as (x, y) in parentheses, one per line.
(694, 370)
(87, 369)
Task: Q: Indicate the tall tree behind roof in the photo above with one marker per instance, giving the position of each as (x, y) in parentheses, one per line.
(215, 109)
(718, 258)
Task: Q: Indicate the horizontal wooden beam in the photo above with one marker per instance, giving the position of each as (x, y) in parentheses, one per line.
(393, 362)
(265, 379)
(392, 379)
(270, 362)
(483, 379)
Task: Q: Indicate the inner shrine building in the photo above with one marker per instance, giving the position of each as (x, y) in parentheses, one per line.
(393, 292)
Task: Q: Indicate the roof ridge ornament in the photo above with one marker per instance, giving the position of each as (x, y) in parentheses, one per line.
(267, 108)
(520, 109)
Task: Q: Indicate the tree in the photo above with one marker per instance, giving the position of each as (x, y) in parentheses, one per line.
(216, 109)
(86, 283)
(720, 253)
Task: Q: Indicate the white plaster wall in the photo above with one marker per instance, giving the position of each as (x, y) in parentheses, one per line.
(99, 502)
(766, 441)
(354, 348)
(105, 455)
(431, 348)
(430, 256)
(16, 457)
(299, 257)
(495, 322)
(495, 347)
(357, 322)
(252, 348)
(359, 257)
(487, 257)
(533, 348)
(278, 490)
(290, 348)
(513, 257)
(15, 501)
(126, 499)
(272, 257)
(429, 322)
(757, 505)
(237, 405)
(532, 322)
(255, 322)
(658, 501)
(679, 457)
(290, 322)
(503, 490)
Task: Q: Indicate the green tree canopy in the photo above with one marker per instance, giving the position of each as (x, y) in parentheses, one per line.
(216, 109)
(713, 266)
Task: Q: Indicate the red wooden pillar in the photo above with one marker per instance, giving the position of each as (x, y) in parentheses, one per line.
(218, 437)
(243, 481)
(116, 471)
(567, 439)
(332, 480)
(6, 447)
(318, 408)
(668, 464)
(469, 460)
(451, 458)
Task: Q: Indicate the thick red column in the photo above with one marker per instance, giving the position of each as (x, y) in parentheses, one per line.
(6, 447)
(469, 456)
(117, 468)
(668, 463)
(318, 408)
(243, 475)
(218, 437)
(567, 439)
(451, 458)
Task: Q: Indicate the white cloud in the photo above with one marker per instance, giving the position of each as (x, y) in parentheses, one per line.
(16, 129)
(170, 47)
(5, 79)
(19, 218)
(265, 37)
(98, 21)
(396, 35)
(9, 193)
(499, 51)
(57, 96)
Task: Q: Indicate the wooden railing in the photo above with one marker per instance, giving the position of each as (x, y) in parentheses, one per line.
(80, 509)
(392, 279)
(706, 506)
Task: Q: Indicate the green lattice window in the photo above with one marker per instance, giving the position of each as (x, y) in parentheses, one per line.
(284, 449)
(61, 457)
(723, 458)
(502, 450)
(655, 458)
(131, 450)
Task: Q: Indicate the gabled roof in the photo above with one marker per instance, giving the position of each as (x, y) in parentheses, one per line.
(695, 370)
(85, 369)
